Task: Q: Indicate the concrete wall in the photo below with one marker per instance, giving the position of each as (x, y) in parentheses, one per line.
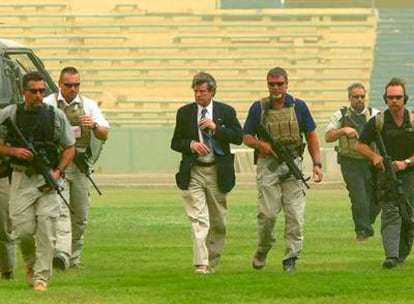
(132, 150)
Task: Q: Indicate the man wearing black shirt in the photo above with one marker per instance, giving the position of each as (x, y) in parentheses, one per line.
(396, 129)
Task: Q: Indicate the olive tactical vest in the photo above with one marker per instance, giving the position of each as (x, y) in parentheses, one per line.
(346, 145)
(282, 124)
(82, 133)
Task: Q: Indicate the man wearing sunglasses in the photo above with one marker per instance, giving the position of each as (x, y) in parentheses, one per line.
(287, 119)
(345, 126)
(34, 204)
(89, 126)
(395, 127)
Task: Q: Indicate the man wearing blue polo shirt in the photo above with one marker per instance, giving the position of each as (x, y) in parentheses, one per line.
(287, 119)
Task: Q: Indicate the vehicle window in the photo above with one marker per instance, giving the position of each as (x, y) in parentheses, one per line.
(26, 64)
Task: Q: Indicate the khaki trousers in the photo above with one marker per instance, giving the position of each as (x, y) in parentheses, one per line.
(34, 216)
(273, 196)
(206, 209)
(7, 248)
(71, 227)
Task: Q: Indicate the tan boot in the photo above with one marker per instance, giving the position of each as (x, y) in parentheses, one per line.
(40, 286)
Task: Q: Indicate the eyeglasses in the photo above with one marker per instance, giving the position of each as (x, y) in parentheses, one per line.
(35, 91)
(358, 96)
(273, 84)
(396, 97)
(70, 85)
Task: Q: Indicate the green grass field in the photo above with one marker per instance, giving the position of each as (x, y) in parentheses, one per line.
(138, 250)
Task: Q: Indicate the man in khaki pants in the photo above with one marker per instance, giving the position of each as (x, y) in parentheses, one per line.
(7, 248)
(34, 204)
(88, 125)
(203, 133)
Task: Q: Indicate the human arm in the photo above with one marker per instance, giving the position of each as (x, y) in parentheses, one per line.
(101, 132)
(333, 134)
(17, 152)
(263, 147)
(366, 151)
(227, 127)
(94, 119)
(335, 128)
(66, 158)
(314, 151)
(185, 138)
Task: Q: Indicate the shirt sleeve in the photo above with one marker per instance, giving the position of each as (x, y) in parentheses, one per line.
(335, 121)
(253, 119)
(64, 132)
(305, 119)
(95, 113)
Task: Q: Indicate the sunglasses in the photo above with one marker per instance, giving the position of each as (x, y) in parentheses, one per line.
(70, 85)
(35, 91)
(273, 84)
(358, 96)
(396, 97)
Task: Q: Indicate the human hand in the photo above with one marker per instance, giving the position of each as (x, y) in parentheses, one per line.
(206, 123)
(317, 174)
(378, 162)
(265, 148)
(21, 153)
(199, 148)
(350, 132)
(86, 121)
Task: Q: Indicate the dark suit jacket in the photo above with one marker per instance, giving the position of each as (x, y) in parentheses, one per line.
(228, 130)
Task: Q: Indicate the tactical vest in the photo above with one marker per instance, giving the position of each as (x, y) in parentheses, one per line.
(346, 145)
(38, 127)
(379, 120)
(82, 133)
(282, 124)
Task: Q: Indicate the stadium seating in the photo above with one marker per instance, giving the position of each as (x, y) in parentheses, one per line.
(134, 60)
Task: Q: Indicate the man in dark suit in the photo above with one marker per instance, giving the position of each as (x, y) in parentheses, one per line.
(203, 133)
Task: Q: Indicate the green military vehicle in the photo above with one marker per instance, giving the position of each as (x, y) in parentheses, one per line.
(16, 60)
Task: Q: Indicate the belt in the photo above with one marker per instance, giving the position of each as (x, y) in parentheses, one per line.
(202, 164)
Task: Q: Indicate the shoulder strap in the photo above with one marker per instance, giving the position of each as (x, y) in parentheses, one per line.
(343, 110)
(379, 121)
(263, 108)
(411, 116)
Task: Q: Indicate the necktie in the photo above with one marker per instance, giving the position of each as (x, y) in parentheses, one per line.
(207, 139)
(204, 132)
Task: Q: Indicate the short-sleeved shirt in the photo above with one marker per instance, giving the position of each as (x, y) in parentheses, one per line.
(63, 133)
(336, 120)
(303, 115)
(90, 107)
(398, 143)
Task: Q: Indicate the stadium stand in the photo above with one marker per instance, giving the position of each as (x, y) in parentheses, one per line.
(393, 51)
(136, 59)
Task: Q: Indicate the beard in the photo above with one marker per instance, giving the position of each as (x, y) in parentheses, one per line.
(359, 107)
(276, 95)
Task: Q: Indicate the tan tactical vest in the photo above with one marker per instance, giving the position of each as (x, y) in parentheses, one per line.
(282, 123)
(379, 120)
(346, 145)
(73, 112)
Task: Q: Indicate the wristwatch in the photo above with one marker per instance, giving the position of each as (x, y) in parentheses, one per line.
(407, 162)
(317, 164)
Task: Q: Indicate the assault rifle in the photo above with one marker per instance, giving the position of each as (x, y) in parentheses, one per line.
(283, 154)
(40, 161)
(391, 186)
(81, 161)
